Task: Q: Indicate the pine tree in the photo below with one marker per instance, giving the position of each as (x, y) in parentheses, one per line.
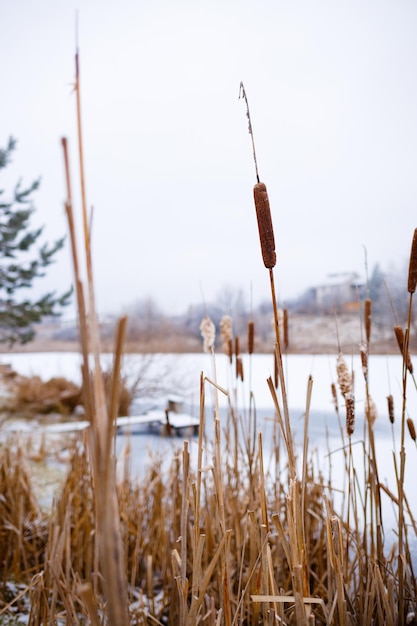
(21, 264)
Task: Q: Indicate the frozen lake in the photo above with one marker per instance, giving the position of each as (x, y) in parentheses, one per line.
(182, 373)
(183, 370)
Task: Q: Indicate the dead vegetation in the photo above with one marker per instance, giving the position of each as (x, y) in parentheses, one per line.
(229, 538)
(230, 531)
(31, 397)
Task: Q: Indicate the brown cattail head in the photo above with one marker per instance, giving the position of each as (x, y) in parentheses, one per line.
(237, 347)
(399, 335)
(390, 401)
(412, 268)
(350, 413)
(368, 318)
(265, 227)
(286, 341)
(411, 428)
(251, 336)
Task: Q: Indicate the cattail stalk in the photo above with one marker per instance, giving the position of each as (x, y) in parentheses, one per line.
(285, 324)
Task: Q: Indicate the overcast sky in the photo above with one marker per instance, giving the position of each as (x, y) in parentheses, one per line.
(332, 92)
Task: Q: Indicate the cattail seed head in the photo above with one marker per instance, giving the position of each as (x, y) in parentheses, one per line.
(399, 335)
(370, 411)
(251, 336)
(390, 401)
(208, 332)
(226, 334)
(412, 268)
(343, 376)
(363, 349)
(265, 227)
(368, 318)
(411, 428)
(350, 413)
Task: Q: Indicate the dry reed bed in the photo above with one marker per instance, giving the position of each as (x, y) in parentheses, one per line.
(223, 540)
(202, 540)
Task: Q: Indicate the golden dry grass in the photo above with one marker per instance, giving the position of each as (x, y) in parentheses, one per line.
(229, 539)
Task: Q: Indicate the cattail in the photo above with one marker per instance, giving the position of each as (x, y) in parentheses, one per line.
(368, 318)
(350, 413)
(412, 268)
(208, 332)
(237, 347)
(251, 336)
(239, 368)
(390, 401)
(411, 428)
(265, 227)
(343, 377)
(370, 411)
(399, 334)
(363, 349)
(286, 342)
(334, 396)
(226, 334)
(230, 350)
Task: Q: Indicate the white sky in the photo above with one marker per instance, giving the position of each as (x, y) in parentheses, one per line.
(332, 93)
